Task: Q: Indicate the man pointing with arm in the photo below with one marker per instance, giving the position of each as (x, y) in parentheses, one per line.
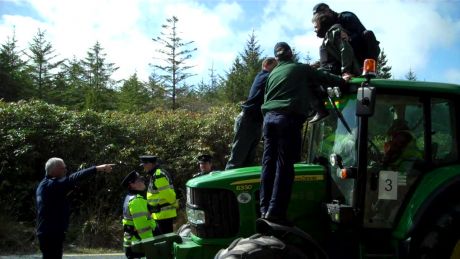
(53, 207)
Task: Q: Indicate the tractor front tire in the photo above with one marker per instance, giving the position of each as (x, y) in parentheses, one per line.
(441, 239)
(259, 247)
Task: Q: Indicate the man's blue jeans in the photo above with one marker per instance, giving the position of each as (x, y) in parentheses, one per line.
(282, 143)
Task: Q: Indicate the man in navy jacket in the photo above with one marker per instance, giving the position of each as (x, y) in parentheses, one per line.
(248, 125)
(53, 208)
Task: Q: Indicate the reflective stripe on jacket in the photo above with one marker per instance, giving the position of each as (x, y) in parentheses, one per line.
(161, 194)
(137, 221)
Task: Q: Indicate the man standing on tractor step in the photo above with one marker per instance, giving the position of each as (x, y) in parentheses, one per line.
(248, 125)
(161, 196)
(287, 103)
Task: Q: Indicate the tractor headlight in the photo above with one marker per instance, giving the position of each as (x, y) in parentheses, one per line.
(196, 216)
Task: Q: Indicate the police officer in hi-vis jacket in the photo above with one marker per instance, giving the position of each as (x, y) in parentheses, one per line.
(161, 196)
(138, 224)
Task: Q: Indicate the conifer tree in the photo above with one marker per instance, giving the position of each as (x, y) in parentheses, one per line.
(97, 71)
(42, 65)
(133, 96)
(174, 55)
(383, 70)
(13, 78)
(411, 76)
(239, 79)
(97, 74)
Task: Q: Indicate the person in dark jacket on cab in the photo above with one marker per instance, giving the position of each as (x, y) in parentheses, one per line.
(362, 40)
(53, 206)
(348, 21)
(336, 53)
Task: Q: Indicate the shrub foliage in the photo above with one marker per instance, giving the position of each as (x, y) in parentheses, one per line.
(32, 132)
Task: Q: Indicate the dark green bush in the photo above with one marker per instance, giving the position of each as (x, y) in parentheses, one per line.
(32, 132)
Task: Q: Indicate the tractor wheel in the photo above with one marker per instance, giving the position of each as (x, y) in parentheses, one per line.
(441, 239)
(259, 247)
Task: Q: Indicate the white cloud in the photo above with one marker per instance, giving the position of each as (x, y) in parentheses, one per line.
(74, 26)
(409, 31)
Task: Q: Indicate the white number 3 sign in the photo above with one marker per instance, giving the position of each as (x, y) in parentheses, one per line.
(388, 185)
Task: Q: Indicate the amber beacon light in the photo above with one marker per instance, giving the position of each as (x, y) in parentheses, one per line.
(369, 68)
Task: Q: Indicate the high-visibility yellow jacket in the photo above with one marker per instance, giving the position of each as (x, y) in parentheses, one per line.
(137, 222)
(161, 196)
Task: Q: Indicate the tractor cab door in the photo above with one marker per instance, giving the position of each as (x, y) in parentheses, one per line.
(396, 156)
(332, 138)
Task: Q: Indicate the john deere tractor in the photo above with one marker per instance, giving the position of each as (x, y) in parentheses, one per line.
(381, 179)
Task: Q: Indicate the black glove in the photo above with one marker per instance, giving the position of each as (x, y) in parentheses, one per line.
(154, 209)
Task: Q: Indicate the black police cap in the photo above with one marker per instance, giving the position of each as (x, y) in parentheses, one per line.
(321, 7)
(204, 158)
(130, 178)
(148, 159)
(282, 49)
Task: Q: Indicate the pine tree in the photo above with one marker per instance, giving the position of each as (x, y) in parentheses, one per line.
(41, 64)
(156, 90)
(71, 84)
(97, 71)
(235, 87)
(13, 78)
(174, 53)
(97, 77)
(133, 96)
(411, 76)
(383, 70)
(296, 55)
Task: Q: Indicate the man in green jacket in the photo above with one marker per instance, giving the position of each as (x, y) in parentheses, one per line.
(287, 104)
(138, 224)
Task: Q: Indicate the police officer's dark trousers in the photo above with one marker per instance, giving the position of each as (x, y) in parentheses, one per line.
(282, 144)
(164, 226)
(51, 245)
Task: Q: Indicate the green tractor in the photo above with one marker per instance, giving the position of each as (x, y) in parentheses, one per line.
(381, 179)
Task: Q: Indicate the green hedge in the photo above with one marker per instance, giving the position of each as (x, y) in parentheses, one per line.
(32, 132)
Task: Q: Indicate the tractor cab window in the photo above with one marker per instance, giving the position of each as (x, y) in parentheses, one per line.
(395, 153)
(330, 137)
(444, 138)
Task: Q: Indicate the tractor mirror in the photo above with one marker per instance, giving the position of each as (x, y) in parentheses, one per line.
(365, 100)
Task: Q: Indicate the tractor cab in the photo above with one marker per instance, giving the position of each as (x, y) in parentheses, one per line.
(382, 148)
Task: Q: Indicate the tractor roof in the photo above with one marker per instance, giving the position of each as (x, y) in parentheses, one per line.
(422, 86)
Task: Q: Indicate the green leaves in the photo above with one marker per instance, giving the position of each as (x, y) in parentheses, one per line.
(32, 132)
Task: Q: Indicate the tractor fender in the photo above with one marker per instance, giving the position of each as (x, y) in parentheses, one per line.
(431, 192)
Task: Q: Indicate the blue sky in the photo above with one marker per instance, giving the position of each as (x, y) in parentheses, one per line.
(422, 35)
